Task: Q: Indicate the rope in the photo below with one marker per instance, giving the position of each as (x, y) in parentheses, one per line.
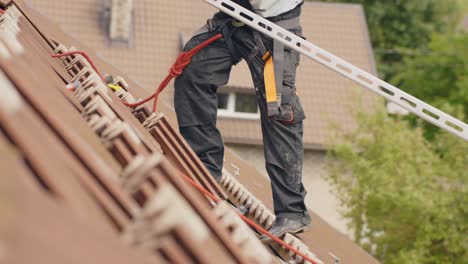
(182, 61)
(82, 53)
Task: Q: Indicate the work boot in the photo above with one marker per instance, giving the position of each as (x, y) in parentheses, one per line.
(285, 225)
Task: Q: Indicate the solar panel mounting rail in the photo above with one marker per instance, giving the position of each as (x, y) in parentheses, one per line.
(382, 88)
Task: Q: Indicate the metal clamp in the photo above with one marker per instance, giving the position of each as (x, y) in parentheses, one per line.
(152, 120)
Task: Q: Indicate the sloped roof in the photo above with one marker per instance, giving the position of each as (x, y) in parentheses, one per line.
(326, 96)
(322, 239)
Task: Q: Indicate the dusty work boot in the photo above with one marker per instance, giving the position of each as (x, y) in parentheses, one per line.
(284, 225)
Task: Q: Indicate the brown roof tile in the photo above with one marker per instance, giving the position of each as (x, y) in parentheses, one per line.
(322, 239)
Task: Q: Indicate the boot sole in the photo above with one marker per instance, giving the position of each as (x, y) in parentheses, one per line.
(300, 230)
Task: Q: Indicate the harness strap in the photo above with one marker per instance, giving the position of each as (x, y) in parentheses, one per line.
(259, 47)
(277, 88)
(289, 24)
(271, 90)
(278, 62)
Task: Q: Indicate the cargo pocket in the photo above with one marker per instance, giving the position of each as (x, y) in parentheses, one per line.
(291, 61)
(291, 111)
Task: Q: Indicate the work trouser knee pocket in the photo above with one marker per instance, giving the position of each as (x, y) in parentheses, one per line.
(291, 110)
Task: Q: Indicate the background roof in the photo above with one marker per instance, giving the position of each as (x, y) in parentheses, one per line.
(326, 96)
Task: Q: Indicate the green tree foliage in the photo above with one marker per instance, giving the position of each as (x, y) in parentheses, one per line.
(439, 76)
(403, 28)
(406, 198)
(419, 47)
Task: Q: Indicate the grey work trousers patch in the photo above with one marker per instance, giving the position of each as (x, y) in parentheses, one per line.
(195, 103)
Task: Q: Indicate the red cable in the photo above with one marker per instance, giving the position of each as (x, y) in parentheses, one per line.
(248, 221)
(82, 53)
(182, 61)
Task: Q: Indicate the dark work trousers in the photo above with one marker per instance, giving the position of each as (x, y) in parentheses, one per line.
(195, 103)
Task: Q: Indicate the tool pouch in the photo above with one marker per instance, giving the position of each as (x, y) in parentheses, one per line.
(290, 111)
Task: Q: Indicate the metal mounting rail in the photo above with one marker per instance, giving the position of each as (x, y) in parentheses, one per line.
(382, 88)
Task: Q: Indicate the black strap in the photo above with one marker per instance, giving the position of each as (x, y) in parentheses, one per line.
(278, 62)
(259, 47)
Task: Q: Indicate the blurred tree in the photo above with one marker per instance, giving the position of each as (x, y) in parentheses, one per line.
(406, 199)
(439, 76)
(420, 49)
(404, 28)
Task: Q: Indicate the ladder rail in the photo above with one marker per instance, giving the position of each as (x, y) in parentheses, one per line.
(382, 88)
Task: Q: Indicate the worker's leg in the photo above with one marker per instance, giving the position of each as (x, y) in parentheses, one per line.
(284, 154)
(284, 151)
(283, 140)
(195, 100)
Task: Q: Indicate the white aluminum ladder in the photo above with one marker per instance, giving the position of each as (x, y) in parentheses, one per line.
(382, 88)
